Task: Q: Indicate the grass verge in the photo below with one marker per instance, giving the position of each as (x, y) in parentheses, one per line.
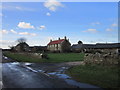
(104, 77)
(53, 57)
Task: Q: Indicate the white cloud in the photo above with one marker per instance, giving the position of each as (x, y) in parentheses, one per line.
(91, 30)
(26, 33)
(114, 25)
(15, 7)
(109, 29)
(42, 27)
(25, 25)
(48, 14)
(52, 5)
(20, 33)
(3, 31)
(23, 8)
(6, 43)
(13, 31)
(52, 8)
(95, 23)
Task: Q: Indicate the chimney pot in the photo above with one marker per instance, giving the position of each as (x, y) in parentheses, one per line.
(58, 38)
(65, 38)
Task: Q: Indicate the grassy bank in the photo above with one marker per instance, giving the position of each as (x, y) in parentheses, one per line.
(105, 77)
(53, 57)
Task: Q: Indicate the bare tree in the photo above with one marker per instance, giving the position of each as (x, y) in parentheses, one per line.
(21, 40)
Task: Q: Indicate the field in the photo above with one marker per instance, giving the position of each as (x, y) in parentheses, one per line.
(101, 76)
(53, 57)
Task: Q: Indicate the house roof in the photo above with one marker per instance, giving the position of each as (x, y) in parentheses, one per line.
(108, 45)
(75, 46)
(37, 46)
(22, 44)
(56, 42)
(97, 46)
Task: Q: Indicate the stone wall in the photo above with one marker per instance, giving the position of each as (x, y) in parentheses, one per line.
(114, 50)
(101, 58)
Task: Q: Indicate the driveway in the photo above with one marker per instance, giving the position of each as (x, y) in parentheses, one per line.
(39, 75)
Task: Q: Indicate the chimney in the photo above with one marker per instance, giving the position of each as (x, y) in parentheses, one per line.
(65, 38)
(58, 38)
(50, 40)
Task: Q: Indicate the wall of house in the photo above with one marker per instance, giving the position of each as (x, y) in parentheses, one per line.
(65, 46)
(20, 49)
(76, 50)
(17, 48)
(54, 47)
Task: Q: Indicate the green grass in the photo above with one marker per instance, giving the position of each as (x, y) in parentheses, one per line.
(105, 77)
(65, 57)
(22, 57)
(53, 57)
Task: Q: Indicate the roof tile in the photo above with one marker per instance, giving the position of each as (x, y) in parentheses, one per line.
(56, 42)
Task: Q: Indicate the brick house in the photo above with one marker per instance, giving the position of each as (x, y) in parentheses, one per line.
(60, 45)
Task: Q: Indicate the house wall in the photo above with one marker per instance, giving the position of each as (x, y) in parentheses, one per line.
(54, 47)
(17, 48)
(65, 46)
(20, 48)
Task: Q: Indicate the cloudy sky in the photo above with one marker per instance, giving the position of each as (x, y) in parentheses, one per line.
(38, 22)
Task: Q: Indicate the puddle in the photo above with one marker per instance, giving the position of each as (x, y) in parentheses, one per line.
(41, 71)
(69, 81)
(5, 57)
(80, 85)
(63, 76)
(15, 63)
(60, 73)
(31, 69)
(28, 64)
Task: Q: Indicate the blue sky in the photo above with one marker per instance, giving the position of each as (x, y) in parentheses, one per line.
(38, 22)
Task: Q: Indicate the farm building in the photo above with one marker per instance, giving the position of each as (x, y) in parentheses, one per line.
(60, 45)
(22, 47)
(38, 48)
(103, 47)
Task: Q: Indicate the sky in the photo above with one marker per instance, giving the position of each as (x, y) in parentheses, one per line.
(38, 22)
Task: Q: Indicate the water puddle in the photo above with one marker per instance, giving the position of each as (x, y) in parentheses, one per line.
(28, 64)
(15, 63)
(63, 76)
(31, 69)
(78, 84)
(60, 74)
(41, 71)
(6, 58)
